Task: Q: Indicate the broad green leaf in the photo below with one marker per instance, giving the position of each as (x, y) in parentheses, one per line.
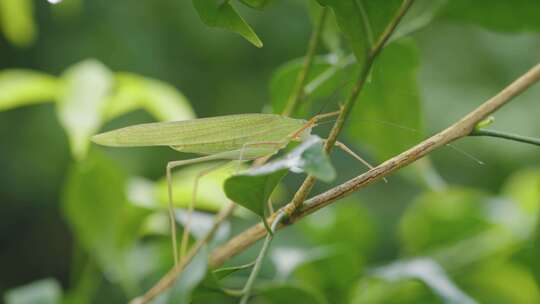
(388, 113)
(102, 220)
(362, 22)
(47, 291)
(309, 157)
(288, 259)
(439, 219)
(376, 290)
(191, 277)
(283, 79)
(495, 281)
(80, 106)
(353, 22)
(17, 21)
(348, 231)
(158, 98)
(253, 188)
(494, 14)
(419, 15)
(523, 188)
(348, 225)
(217, 13)
(25, 87)
(536, 250)
(328, 77)
(331, 36)
(316, 163)
(333, 274)
(277, 293)
(258, 4)
(427, 271)
(253, 191)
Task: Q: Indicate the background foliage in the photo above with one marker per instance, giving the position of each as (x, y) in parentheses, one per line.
(85, 224)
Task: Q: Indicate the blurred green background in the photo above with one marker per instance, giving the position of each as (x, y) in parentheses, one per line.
(475, 221)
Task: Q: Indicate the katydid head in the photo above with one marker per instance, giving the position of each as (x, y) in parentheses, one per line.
(305, 131)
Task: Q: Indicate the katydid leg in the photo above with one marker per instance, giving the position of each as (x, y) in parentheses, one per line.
(191, 207)
(170, 166)
(348, 150)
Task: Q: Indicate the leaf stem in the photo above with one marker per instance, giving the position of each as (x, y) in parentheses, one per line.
(298, 91)
(302, 193)
(509, 136)
(262, 254)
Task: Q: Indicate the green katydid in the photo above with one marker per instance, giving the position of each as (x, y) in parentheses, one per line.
(233, 137)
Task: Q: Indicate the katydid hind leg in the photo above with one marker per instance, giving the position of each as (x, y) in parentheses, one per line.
(191, 207)
(170, 166)
(348, 150)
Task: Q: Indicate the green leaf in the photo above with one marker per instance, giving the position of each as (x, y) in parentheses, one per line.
(47, 291)
(253, 191)
(440, 219)
(494, 281)
(218, 13)
(191, 277)
(253, 188)
(352, 22)
(348, 225)
(288, 259)
(276, 293)
(87, 86)
(326, 76)
(418, 16)
(309, 157)
(362, 22)
(158, 98)
(494, 14)
(331, 36)
(25, 87)
(523, 187)
(258, 4)
(376, 290)
(316, 163)
(102, 220)
(388, 115)
(17, 21)
(429, 272)
(536, 251)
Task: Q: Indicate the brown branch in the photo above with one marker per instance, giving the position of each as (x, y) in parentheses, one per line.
(460, 129)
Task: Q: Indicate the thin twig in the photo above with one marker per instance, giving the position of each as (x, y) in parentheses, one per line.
(460, 129)
(302, 193)
(509, 136)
